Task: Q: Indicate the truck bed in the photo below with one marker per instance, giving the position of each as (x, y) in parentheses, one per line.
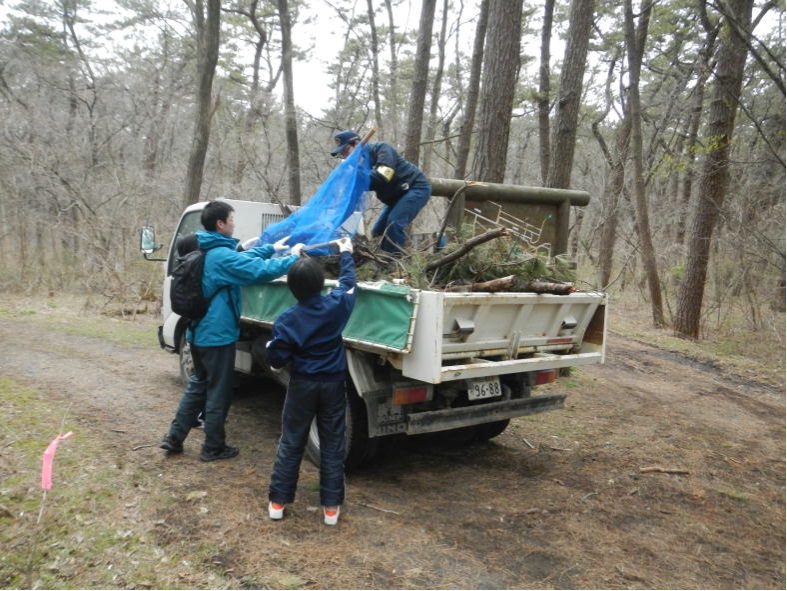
(435, 336)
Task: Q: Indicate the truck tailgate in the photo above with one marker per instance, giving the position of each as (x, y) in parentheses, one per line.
(467, 335)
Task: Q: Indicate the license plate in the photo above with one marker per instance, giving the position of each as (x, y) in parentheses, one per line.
(484, 388)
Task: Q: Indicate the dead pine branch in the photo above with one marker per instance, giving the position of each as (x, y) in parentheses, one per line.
(378, 508)
(651, 469)
(467, 247)
(137, 447)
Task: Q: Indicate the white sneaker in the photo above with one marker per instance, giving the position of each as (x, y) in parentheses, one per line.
(275, 511)
(331, 515)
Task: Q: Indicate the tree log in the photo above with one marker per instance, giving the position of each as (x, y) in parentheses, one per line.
(538, 286)
(491, 286)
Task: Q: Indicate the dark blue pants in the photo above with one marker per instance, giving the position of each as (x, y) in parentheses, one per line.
(210, 387)
(306, 400)
(395, 218)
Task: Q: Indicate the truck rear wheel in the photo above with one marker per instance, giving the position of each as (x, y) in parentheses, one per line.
(359, 448)
(487, 431)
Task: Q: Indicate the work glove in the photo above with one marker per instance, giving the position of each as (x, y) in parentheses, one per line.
(296, 250)
(250, 243)
(281, 245)
(345, 245)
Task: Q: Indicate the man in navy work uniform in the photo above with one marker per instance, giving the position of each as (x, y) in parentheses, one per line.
(308, 336)
(399, 184)
(213, 337)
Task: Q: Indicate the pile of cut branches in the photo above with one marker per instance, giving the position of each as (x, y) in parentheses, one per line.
(492, 261)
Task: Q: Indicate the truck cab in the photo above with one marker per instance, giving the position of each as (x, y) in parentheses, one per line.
(251, 218)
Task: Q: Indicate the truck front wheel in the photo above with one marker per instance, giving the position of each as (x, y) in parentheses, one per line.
(359, 448)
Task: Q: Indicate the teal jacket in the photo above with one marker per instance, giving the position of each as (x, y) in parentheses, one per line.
(226, 270)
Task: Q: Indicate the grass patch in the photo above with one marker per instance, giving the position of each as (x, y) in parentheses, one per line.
(70, 315)
(90, 530)
(758, 354)
(735, 496)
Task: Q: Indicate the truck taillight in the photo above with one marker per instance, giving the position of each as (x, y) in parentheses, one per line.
(412, 394)
(546, 376)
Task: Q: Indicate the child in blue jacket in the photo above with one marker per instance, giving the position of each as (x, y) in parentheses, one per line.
(308, 336)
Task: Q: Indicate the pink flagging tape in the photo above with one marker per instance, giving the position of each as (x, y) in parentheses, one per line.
(49, 458)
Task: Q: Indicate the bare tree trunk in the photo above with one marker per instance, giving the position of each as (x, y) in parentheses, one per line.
(393, 92)
(290, 120)
(473, 85)
(715, 173)
(564, 131)
(378, 114)
(543, 90)
(501, 67)
(207, 32)
(615, 182)
(437, 84)
(703, 68)
(160, 107)
(253, 111)
(635, 47)
(415, 116)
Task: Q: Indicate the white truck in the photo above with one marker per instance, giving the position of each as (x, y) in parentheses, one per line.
(420, 361)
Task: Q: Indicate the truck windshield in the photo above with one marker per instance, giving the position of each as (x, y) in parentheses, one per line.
(188, 225)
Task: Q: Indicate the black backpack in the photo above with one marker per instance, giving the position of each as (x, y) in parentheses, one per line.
(185, 291)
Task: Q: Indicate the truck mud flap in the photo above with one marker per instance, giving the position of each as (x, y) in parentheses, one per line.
(453, 418)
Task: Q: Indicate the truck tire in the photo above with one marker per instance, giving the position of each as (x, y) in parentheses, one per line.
(487, 431)
(359, 448)
(186, 361)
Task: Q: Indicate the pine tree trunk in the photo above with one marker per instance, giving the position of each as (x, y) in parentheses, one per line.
(501, 66)
(290, 120)
(437, 84)
(564, 130)
(393, 93)
(715, 173)
(544, 91)
(375, 48)
(473, 87)
(415, 116)
(635, 44)
(207, 31)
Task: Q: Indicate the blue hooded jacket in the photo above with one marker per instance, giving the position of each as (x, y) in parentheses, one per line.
(225, 271)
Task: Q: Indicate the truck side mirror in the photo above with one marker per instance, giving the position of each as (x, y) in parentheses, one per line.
(147, 242)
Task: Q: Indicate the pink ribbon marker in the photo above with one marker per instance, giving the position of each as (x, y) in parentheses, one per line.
(49, 458)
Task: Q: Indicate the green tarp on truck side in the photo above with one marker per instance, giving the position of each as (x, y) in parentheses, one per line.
(383, 314)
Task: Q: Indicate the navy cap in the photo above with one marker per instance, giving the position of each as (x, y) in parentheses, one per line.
(342, 139)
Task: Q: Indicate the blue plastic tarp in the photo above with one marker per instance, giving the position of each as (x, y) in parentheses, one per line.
(334, 211)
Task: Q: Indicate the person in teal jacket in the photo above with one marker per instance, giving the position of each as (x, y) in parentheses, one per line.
(213, 337)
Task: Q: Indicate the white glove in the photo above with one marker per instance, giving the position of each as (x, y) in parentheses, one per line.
(296, 250)
(250, 243)
(345, 245)
(281, 245)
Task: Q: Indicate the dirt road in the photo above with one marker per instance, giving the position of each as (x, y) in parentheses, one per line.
(662, 472)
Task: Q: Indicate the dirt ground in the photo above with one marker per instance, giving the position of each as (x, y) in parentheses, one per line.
(662, 472)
